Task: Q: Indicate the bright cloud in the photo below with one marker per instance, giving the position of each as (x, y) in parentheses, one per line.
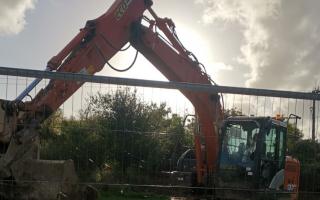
(12, 15)
(281, 42)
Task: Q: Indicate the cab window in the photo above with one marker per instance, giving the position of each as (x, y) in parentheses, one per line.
(239, 142)
(269, 148)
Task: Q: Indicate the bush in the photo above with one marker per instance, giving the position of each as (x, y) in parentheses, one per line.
(116, 138)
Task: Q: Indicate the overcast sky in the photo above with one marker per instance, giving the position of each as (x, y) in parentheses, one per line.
(268, 44)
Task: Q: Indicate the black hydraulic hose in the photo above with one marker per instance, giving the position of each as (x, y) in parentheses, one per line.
(126, 69)
(124, 49)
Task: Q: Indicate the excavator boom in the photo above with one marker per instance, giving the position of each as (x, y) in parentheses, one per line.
(89, 51)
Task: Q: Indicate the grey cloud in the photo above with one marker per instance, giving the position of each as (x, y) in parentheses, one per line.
(281, 42)
(12, 15)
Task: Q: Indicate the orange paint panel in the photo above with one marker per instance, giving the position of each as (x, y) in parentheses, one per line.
(292, 176)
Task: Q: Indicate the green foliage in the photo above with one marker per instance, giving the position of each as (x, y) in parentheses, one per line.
(117, 136)
(294, 135)
(232, 113)
(52, 125)
(308, 153)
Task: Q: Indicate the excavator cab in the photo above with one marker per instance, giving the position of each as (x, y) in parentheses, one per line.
(252, 160)
(252, 151)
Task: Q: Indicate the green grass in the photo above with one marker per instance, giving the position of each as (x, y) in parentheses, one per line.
(129, 195)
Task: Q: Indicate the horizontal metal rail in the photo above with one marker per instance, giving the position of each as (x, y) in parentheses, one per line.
(157, 84)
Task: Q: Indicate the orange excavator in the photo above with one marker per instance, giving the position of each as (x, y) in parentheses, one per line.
(87, 53)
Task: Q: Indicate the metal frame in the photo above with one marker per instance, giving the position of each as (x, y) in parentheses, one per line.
(156, 84)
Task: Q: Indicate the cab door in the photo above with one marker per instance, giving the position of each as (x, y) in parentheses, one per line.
(273, 153)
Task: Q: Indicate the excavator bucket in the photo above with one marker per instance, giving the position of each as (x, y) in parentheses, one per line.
(24, 176)
(44, 179)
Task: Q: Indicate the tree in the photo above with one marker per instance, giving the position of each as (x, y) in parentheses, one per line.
(294, 135)
(308, 153)
(232, 113)
(119, 131)
(52, 126)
